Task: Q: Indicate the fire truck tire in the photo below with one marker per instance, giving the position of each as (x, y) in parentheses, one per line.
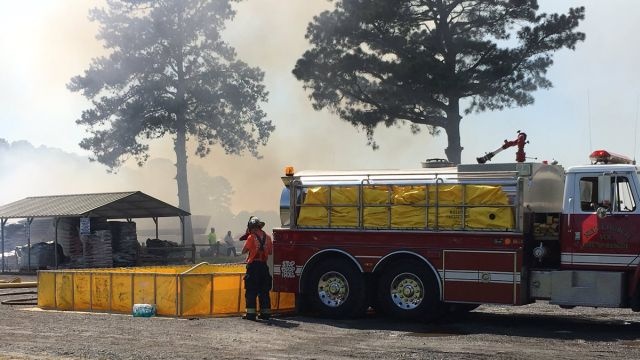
(336, 289)
(407, 290)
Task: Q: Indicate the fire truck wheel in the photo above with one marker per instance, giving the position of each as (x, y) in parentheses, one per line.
(336, 289)
(408, 291)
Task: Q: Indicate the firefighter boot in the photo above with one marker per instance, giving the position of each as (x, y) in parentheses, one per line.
(249, 317)
(250, 314)
(265, 314)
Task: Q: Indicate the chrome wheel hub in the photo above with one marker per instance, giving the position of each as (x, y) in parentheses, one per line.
(333, 289)
(407, 291)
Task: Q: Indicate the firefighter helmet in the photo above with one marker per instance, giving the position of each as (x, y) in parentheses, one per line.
(255, 223)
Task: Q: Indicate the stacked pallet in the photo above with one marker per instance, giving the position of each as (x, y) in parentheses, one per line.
(161, 252)
(69, 239)
(97, 249)
(125, 243)
(99, 224)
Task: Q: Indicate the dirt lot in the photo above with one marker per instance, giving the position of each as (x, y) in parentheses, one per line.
(537, 331)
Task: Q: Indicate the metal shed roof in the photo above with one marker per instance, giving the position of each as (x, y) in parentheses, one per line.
(118, 205)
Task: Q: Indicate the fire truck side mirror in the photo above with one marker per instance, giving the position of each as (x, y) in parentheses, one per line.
(602, 212)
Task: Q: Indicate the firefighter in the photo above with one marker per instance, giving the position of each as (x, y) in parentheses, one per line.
(231, 246)
(257, 281)
(214, 244)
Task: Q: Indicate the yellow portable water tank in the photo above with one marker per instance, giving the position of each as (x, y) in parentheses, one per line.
(176, 291)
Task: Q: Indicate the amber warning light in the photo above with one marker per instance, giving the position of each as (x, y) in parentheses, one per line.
(288, 171)
(606, 157)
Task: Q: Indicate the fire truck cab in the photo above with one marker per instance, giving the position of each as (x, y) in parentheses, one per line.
(422, 243)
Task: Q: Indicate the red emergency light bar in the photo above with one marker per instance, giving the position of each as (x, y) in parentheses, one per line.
(606, 157)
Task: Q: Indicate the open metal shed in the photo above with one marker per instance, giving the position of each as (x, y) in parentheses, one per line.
(118, 205)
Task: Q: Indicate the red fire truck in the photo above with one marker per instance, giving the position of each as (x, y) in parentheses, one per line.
(421, 243)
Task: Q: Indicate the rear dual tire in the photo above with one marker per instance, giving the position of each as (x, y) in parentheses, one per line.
(408, 290)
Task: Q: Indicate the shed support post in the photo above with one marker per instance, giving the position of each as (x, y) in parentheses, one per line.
(155, 220)
(55, 244)
(3, 222)
(182, 228)
(29, 220)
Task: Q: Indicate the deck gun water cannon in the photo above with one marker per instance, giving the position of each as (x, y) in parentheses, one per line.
(520, 141)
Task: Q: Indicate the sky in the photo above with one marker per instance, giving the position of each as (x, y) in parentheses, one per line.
(593, 104)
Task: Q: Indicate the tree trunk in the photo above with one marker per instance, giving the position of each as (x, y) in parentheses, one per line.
(181, 177)
(180, 145)
(454, 150)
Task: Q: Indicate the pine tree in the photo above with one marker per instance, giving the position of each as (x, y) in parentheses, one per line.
(412, 61)
(169, 73)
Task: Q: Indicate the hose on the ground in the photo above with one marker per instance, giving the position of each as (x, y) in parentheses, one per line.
(30, 284)
(25, 301)
(13, 281)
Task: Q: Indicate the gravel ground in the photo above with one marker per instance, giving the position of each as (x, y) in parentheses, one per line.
(537, 331)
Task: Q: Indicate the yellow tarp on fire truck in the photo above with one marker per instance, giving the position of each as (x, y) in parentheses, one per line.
(398, 206)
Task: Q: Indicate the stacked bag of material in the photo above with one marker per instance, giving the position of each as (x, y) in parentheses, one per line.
(69, 240)
(125, 243)
(97, 249)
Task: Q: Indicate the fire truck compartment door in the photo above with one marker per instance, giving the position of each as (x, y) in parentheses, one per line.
(587, 288)
(481, 276)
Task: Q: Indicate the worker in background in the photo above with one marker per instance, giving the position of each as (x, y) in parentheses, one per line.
(231, 246)
(214, 244)
(257, 281)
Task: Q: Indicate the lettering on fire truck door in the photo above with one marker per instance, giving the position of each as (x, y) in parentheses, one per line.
(481, 276)
(608, 240)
